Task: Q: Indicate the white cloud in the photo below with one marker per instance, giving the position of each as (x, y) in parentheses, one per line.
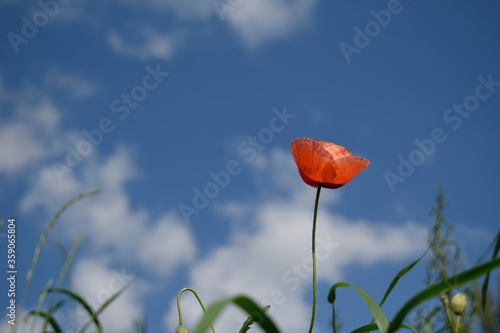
(113, 228)
(260, 21)
(143, 43)
(272, 262)
(30, 134)
(30, 131)
(74, 85)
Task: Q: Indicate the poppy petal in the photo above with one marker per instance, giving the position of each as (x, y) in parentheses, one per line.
(325, 163)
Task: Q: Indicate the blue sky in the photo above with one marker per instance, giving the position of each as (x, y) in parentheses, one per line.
(148, 101)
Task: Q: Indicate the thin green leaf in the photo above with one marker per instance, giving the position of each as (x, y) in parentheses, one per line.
(250, 321)
(140, 326)
(68, 258)
(374, 327)
(41, 298)
(484, 289)
(400, 275)
(397, 277)
(82, 303)
(243, 302)
(103, 306)
(380, 318)
(47, 317)
(446, 285)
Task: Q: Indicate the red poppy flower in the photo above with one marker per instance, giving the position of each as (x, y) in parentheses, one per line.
(325, 164)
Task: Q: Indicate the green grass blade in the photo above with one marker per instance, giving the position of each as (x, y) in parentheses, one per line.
(374, 327)
(103, 306)
(82, 302)
(47, 317)
(140, 326)
(42, 241)
(400, 275)
(397, 277)
(484, 288)
(446, 285)
(68, 259)
(250, 321)
(243, 302)
(380, 318)
(41, 298)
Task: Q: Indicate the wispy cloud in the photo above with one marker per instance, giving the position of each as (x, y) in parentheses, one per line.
(74, 85)
(29, 134)
(143, 43)
(114, 229)
(260, 21)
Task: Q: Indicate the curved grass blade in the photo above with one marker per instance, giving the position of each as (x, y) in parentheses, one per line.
(250, 321)
(400, 275)
(41, 298)
(66, 270)
(103, 306)
(484, 288)
(374, 327)
(82, 303)
(47, 317)
(42, 241)
(243, 302)
(68, 258)
(380, 318)
(56, 307)
(397, 277)
(446, 285)
(140, 326)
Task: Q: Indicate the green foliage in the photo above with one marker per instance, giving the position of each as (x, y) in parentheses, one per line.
(444, 286)
(378, 315)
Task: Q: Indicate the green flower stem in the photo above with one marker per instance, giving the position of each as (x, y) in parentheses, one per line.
(314, 258)
(457, 325)
(179, 304)
(448, 317)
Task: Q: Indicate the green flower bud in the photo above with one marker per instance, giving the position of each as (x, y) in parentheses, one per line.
(458, 304)
(445, 299)
(181, 329)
